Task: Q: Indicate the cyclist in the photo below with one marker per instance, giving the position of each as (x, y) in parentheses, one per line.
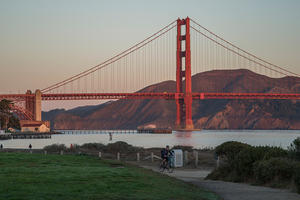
(171, 158)
(165, 154)
(167, 157)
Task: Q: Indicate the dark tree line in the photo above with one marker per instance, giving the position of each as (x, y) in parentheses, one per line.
(7, 119)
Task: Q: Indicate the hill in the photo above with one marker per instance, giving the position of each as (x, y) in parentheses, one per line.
(207, 114)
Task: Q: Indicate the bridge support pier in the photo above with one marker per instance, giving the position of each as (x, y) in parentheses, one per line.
(184, 106)
(34, 104)
(38, 106)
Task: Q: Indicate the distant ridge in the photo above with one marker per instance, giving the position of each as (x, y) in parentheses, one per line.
(207, 114)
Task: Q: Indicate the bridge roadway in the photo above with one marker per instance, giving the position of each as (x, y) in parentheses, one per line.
(164, 95)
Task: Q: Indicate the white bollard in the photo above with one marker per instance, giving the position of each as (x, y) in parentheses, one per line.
(61, 152)
(196, 155)
(118, 156)
(100, 154)
(152, 157)
(218, 162)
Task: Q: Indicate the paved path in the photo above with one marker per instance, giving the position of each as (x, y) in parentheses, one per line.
(231, 191)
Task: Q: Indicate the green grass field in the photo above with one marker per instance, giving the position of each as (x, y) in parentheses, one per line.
(37, 176)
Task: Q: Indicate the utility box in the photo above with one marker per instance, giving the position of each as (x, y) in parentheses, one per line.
(178, 158)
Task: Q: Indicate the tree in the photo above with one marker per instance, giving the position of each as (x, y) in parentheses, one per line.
(7, 119)
(5, 106)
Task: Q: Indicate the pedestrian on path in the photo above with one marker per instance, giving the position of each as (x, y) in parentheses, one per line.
(110, 136)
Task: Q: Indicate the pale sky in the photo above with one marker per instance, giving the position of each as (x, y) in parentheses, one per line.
(43, 42)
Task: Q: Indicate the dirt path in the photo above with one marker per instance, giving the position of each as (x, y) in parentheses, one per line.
(228, 190)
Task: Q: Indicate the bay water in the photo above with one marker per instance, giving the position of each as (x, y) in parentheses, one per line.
(197, 139)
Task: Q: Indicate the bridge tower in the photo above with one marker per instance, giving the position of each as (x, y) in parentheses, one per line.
(33, 103)
(38, 106)
(183, 73)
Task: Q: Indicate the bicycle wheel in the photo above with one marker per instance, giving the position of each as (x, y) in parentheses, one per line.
(161, 167)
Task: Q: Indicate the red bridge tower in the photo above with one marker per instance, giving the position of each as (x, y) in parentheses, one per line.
(184, 105)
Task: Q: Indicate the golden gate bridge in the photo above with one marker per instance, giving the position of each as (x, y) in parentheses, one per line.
(168, 54)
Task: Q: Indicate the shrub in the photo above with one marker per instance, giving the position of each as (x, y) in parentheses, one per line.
(274, 170)
(273, 152)
(122, 147)
(93, 146)
(297, 176)
(294, 149)
(230, 149)
(262, 165)
(55, 148)
(244, 161)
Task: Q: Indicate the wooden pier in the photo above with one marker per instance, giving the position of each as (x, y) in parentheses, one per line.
(97, 131)
(5, 136)
(155, 130)
(31, 135)
(27, 135)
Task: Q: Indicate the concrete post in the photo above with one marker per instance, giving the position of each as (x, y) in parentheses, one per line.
(186, 159)
(100, 155)
(152, 157)
(118, 156)
(38, 106)
(61, 152)
(196, 155)
(138, 157)
(218, 162)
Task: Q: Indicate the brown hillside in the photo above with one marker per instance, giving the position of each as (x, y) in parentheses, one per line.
(207, 114)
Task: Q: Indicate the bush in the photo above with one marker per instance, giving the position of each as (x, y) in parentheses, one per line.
(241, 159)
(273, 152)
(297, 176)
(93, 146)
(244, 161)
(122, 147)
(294, 149)
(230, 149)
(55, 148)
(275, 170)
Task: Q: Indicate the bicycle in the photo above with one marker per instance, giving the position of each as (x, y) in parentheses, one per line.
(166, 165)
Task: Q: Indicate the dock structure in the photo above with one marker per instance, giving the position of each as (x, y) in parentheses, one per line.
(29, 135)
(155, 130)
(5, 136)
(97, 131)
(138, 131)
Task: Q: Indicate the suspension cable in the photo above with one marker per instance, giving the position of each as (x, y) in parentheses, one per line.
(276, 66)
(96, 66)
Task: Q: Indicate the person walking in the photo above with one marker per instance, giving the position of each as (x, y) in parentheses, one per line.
(1, 146)
(30, 146)
(110, 136)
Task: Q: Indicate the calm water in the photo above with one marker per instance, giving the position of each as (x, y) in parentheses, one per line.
(197, 139)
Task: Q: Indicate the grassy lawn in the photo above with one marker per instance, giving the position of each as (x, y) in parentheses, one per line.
(37, 176)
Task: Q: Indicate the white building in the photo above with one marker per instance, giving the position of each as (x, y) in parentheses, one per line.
(35, 128)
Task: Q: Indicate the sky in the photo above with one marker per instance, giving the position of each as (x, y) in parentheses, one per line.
(43, 42)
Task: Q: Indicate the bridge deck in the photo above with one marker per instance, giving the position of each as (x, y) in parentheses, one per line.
(168, 96)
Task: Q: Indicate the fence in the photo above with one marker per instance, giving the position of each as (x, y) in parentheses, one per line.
(190, 158)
